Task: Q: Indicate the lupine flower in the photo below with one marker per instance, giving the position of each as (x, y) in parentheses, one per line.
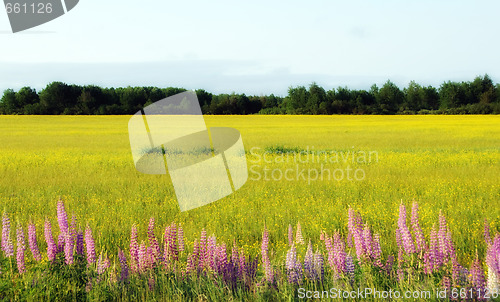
(435, 255)
(203, 253)
(442, 235)
(318, 265)
(49, 239)
(180, 238)
(79, 243)
(290, 234)
(7, 245)
(102, 264)
(493, 262)
(60, 242)
(123, 264)
(293, 266)
(417, 230)
(350, 268)
(221, 259)
(33, 243)
(170, 252)
(298, 236)
(68, 248)
(406, 239)
(266, 262)
(89, 242)
(368, 241)
(309, 262)
(477, 277)
(377, 250)
(62, 217)
(143, 258)
(265, 244)
(211, 253)
(20, 250)
(389, 264)
(134, 249)
(339, 253)
(152, 240)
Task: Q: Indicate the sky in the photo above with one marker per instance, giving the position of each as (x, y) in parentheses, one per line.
(255, 47)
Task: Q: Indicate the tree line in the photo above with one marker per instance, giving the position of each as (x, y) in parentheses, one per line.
(480, 96)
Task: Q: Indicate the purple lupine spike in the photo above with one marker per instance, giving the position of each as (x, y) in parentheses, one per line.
(49, 239)
(493, 263)
(455, 273)
(180, 238)
(450, 248)
(339, 253)
(477, 277)
(33, 243)
(406, 239)
(319, 265)
(62, 217)
(359, 244)
(203, 251)
(102, 264)
(79, 243)
(150, 257)
(221, 258)
(350, 268)
(398, 238)
(487, 235)
(290, 234)
(173, 242)
(211, 255)
(435, 251)
(389, 264)
(7, 245)
(368, 241)
(21, 267)
(417, 230)
(298, 236)
(442, 237)
(89, 242)
(377, 250)
(265, 244)
(60, 242)
(143, 258)
(330, 252)
(68, 248)
(134, 249)
(309, 263)
(428, 262)
(447, 285)
(290, 263)
(73, 228)
(152, 240)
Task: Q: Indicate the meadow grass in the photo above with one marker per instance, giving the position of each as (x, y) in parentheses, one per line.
(446, 163)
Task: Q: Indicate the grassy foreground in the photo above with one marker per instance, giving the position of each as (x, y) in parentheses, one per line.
(446, 163)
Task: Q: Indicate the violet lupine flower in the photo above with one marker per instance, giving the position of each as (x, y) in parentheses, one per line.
(7, 245)
(79, 243)
(493, 262)
(266, 262)
(49, 239)
(406, 239)
(293, 266)
(417, 230)
(152, 240)
(435, 255)
(68, 249)
(235, 259)
(203, 250)
(180, 238)
(449, 247)
(102, 264)
(170, 252)
(221, 259)
(143, 258)
(377, 250)
(477, 277)
(290, 234)
(368, 241)
(309, 263)
(339, 253)
(330, 252)
(134, 249)
(33, 243)
(447, 284)
(62, 217)
(350, 268)
(72, 228)
(211, 253)
(389, 264)
(20, 250)
(443, 246)
(150, 257)
(123, 264)
(298, 236)
(60, 242)
(359, 244)
(319, 265)
(89, 242)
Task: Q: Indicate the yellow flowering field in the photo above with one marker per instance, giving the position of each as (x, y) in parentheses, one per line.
(446, 163)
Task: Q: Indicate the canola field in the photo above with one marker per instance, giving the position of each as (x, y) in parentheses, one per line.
(302, 169)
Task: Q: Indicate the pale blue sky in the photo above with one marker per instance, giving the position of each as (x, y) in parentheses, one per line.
(255, 47)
